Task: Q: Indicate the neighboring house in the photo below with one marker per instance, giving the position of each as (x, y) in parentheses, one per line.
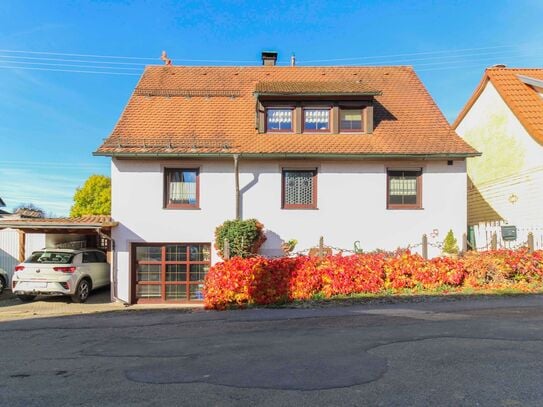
(2, 211)
(348, 153)
(504, 120)
(10, 249)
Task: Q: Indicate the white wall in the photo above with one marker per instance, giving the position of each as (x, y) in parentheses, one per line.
(512, 162)
(9, 247)
(351, 206)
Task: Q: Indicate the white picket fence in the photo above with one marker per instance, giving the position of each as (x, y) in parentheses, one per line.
(484, 231)
(9, 248)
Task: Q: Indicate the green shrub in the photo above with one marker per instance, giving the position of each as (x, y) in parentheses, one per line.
(450, 245)
(288, 246)
(244, 237)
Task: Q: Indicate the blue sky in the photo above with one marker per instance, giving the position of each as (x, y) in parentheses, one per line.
(51, 120)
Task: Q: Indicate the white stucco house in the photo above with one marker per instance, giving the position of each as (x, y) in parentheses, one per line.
(504, 120)
(348, 153)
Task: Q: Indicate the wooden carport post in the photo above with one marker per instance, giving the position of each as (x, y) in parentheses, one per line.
(22, 245)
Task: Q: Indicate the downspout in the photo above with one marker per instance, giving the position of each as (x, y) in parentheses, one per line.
(236, 181)
(113, 274)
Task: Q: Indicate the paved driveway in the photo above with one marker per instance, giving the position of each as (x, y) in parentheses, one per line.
(11, 308)
(472, 352)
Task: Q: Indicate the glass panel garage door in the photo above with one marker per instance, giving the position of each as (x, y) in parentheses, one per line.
(170, 272)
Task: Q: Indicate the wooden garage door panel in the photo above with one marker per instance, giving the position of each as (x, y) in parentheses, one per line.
(169, 272)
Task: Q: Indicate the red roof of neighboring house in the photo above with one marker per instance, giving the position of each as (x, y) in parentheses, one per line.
(523, 100)
(182, 110)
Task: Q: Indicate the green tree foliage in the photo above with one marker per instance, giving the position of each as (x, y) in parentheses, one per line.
(94, 198)
(450, 245)
(244, 237)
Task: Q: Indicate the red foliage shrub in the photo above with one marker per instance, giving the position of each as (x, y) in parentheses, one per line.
(503, 267)
(343, 275)
(239, 282)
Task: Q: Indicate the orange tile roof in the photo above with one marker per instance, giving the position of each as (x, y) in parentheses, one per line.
(523, 100)
(182, 110)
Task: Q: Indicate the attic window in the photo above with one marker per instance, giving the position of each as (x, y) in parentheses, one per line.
(316, 119)
(350, 120)
(279, 119)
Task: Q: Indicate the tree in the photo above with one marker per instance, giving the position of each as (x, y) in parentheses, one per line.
(450, 245)
(94, 198)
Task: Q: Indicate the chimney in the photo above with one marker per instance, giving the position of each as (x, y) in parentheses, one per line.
(269, 58)
(293, 60)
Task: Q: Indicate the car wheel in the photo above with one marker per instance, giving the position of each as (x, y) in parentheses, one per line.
(26, 298)
(82, 292)
(2, 284)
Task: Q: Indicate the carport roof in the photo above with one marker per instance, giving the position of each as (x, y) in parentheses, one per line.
(56, 224)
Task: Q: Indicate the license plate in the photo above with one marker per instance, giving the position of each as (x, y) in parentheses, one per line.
(37, 285)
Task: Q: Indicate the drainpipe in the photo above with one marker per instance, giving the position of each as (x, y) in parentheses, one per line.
(236, 178)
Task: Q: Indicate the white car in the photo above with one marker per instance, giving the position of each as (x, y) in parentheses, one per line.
(4, 280)
(61, 272)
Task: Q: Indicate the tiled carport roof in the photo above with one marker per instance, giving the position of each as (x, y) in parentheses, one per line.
(84, 222)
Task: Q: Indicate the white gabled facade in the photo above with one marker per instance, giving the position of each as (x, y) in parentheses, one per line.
(351, 201)
(507, 180)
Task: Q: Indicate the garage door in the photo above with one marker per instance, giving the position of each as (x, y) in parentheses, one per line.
(169, 272)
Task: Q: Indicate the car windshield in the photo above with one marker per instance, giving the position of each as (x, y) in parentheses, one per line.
(51, 257)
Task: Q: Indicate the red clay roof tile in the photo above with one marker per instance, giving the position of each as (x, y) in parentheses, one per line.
(211, 110)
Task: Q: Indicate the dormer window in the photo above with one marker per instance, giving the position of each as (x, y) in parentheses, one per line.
(350, 120)
(317, 120)
(279, 119)
(332, 107)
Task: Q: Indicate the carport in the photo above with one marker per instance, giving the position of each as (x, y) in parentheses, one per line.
(69, 233)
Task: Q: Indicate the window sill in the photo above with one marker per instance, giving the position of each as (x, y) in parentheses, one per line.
(405, 208)
(312, 208)
(352, 132)
(182, 208)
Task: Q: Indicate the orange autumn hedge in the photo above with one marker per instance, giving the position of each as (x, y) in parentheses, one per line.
(240, 282)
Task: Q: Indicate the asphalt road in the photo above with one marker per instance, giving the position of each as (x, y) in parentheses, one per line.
(472, 352)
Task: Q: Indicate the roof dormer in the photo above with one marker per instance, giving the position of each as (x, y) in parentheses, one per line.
(331, 107)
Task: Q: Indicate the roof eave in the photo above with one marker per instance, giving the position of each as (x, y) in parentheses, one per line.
(471, 101)
(16, 224)
(291, 155)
